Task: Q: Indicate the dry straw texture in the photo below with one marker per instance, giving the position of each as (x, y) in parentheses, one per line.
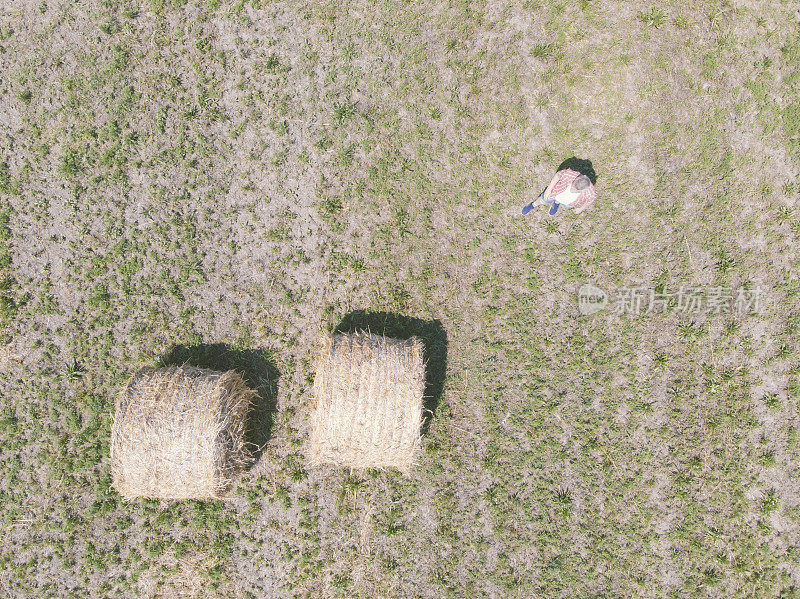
(369, 392)
(178, 433)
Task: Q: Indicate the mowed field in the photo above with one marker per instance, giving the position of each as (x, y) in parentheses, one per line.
(219, 183)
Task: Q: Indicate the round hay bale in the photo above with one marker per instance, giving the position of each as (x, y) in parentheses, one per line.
(178, 433)
(369, 393)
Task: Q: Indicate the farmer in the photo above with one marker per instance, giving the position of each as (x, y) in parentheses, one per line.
(569, 189)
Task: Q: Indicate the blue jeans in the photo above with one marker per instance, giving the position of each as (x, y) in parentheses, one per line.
(552, 201)
(555, 205)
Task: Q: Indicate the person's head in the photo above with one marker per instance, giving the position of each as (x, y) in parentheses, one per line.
(580, 183)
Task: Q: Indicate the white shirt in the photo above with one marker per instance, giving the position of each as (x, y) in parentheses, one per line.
(566, 197)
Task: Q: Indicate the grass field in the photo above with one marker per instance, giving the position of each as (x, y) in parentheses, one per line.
(220, 182)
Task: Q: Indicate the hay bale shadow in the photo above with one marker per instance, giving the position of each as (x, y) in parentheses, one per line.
(434, 339)
(580, 165)
(258, 369)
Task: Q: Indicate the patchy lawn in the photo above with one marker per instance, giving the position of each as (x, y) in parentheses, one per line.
(220, 182)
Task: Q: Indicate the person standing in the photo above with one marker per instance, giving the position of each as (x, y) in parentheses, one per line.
(569, 189)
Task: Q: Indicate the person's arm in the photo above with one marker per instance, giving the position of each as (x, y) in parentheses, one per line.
(584, 201)
(546, 192)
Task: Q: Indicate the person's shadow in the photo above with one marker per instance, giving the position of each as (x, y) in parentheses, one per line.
(580, 165)
(434, 341)
(258, 369)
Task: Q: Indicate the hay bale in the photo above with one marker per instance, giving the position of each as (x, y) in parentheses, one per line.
(178, 433)
(369, 392)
